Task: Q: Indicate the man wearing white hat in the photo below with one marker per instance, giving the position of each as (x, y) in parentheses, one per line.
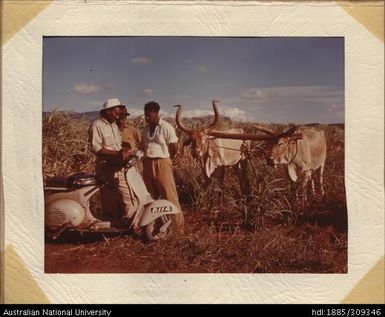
(106, 144)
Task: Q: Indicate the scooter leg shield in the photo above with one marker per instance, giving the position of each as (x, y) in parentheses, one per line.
(157, 209)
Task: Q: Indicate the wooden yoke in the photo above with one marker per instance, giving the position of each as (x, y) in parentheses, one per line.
(222, 135)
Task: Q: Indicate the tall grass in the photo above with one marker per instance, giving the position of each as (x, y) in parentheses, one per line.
(225, 232)
(65, 145)
(65, 151)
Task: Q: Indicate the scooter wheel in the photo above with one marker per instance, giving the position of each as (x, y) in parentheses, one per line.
(159, 228)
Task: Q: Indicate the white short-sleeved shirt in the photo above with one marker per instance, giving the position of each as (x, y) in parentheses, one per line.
(156, 145)
(103, 134)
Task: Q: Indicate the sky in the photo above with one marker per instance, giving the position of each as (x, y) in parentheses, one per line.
(258, 79)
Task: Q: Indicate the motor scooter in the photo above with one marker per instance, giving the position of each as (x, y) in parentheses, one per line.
(67, 205)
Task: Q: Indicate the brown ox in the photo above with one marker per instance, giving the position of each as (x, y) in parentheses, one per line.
(303, 150)
(216, 153)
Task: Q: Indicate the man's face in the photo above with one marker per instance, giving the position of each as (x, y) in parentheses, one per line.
(151, 117)
(113, 114)
(123, 115)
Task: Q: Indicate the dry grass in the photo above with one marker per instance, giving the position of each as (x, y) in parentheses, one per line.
(224, 233)
(65, 145)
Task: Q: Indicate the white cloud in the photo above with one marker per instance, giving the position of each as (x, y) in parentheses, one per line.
(253, 94)
(142, 60)
(85, 89)
(232, 112)
(222, 85)
(135, 112)
(145, 93)
(110, 88)
(236, 114)
(290, 93)
(335, 108)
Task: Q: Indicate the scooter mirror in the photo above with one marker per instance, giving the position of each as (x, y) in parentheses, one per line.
(139, 154)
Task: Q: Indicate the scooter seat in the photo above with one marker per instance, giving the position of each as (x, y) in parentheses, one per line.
(73, 181)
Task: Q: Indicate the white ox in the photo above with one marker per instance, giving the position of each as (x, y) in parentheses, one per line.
(303, 150)
(216, 153)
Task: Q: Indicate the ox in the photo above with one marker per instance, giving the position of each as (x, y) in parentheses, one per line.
(216, 153)
(303, 151)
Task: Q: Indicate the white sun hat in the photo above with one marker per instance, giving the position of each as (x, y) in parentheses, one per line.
(112, 103)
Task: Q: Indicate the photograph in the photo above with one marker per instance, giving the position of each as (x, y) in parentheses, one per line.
(194, 154)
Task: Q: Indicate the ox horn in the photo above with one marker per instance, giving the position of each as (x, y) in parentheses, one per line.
(216, 117)
(179, 122)
(265, 130)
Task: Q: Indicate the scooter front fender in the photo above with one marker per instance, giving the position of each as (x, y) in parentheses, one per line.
(156, 209)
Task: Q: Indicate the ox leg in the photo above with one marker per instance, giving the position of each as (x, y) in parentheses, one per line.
(246, 180)
(238, 172)
(207, 179)
(221, 179)
(243, 177)
(221, 174)
(312, 184)
(321, 179)
(305, 183)
(301, 190)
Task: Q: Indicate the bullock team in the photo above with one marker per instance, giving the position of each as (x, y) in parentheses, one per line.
(301, 149)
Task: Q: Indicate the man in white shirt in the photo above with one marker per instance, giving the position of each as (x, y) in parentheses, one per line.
(159, 144)
(104, 136)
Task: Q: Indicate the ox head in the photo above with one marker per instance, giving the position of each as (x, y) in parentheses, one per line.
(281, 145)
(197, 137)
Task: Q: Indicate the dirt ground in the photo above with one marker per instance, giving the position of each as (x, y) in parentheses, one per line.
(314, 243)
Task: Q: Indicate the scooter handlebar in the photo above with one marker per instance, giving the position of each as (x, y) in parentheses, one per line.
(135, 158)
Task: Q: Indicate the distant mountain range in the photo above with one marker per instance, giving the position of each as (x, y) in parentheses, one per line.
(93, 115)
(88, 116)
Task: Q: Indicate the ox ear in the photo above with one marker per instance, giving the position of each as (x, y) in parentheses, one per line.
(289, 132)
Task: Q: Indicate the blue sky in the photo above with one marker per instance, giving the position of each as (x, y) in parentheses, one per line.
(273, 79)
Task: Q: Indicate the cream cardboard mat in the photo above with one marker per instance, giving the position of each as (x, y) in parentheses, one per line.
(24, 24)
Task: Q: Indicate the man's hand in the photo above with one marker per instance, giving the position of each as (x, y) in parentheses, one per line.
(126, 153)
(173, 149)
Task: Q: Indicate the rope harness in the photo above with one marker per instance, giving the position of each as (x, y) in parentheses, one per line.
(295, 153)
(246, 152)
(244, 149)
